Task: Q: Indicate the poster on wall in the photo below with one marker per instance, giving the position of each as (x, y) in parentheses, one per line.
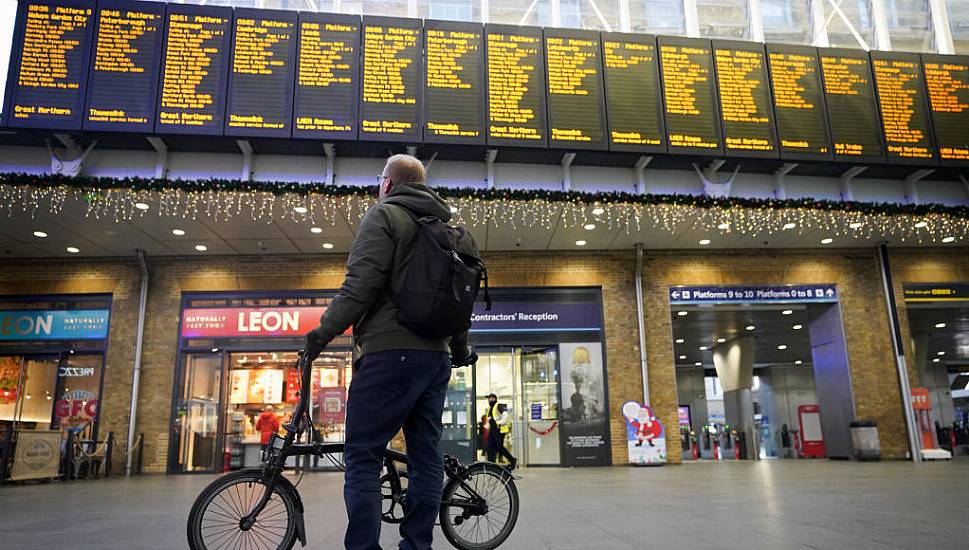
(585, 421)
(645, 435)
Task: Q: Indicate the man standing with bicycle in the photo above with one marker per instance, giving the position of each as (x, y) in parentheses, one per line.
(402, 372)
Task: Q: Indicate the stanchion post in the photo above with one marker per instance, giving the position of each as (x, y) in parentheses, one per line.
(108, 451)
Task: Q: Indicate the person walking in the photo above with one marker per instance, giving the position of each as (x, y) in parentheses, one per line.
(499, 426)
(400, 377)
(267, 424)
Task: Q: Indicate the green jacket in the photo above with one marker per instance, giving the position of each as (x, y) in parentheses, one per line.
(378, 258)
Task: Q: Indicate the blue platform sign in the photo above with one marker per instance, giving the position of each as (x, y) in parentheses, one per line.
(693, 295)
(80, 324)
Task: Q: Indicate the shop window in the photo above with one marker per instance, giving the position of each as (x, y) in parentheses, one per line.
(45, 393)
(197, 415)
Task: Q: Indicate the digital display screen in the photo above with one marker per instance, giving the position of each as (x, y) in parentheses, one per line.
(947, 82)
(123, 82)
(195, 64)
(390, 101)
(576, 107)
(49, 64)
(689, 96)
(260, 96)
(634, 102)
(516, 86)
(454, 104)
(328, 77)
(849, 94)
(799, 114)
(745, 100)
(903, 103)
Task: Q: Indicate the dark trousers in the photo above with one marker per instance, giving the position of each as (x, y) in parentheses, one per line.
(496, 446)
(393, 390)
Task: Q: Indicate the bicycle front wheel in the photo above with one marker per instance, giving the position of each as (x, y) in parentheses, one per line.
(214, 522)
(468, 528)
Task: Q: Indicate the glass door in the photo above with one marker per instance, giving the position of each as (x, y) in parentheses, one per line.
(496, 373)
(196, 426)
(28, 391)
(460, 434)
(540, 406)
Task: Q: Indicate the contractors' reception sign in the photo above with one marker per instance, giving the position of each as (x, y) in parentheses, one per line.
(80, 324)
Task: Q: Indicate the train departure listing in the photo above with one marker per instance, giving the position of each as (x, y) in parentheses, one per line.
(850, 97)
(802, 127)
(576, 112)
(49, 65)
(261, 80)
(516, 82)
(745, 105)
(692, 123)
(327, 81)
(390, 107)
(633, 99)
(124, 72)
(192, 98)
(947, 81)
(454, 83)
(903, 105)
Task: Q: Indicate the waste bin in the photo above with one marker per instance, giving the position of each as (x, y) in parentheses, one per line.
(864, 440)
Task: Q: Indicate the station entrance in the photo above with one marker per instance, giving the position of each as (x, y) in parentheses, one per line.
(762, 372)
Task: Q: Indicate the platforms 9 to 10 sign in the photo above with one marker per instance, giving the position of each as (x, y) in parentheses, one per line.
(116, 65)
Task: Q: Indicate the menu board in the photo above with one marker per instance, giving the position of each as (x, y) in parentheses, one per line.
(947, 82)
(390, 99)
(690, 96)
(576, 108)
(850, 98)
(195, 64)
(516, 86)
(633, 99)
(745, 100)
(123, 81)
(903, 103)
(327, 77)
(454, 104)
(49, 64)
(802, 125)
(260, 93)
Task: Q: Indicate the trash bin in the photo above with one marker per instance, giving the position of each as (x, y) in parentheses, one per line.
(864, 440)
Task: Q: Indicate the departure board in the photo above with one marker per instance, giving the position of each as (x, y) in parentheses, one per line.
(799, 114)
(689, 95)
(745, 101)
(849, 95)
(123, 82)
(390, 99)
(633, 99)
(516, 86)
(328, 76)
(454, 104)
(576, 107)
(903, 103)
(947, 82)
(49, 64)
(262, 71)
(195, 64)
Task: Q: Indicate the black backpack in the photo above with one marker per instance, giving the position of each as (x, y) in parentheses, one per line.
(441, 282)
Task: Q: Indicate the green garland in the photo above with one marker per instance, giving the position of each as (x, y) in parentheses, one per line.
(91, 184)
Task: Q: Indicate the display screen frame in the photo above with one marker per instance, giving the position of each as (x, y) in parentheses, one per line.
(580, 34)
(878, 127)
(480, 86)
(417, 134)
(540, 110)
(714, 120)
(657, 78)
(923, 100)
(767, 83)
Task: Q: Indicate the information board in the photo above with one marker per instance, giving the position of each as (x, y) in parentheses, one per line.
(123, 81)
(454, 103)
(903, 103)
(801, 121)
(260, 93)
(516, 86)
(947, 82)
(689, 96)
(576, 107)
(390, 98)
(195, 64)
(634, 102)
(328, 77)
(745, 100)
(849, 95)
(49, 64)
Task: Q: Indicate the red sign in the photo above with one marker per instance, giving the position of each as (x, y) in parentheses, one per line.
(250, 322)
(76, 410)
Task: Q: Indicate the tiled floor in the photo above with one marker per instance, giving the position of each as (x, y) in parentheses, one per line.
(770, 505)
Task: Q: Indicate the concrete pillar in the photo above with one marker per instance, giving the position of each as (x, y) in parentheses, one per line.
(832, 380)
(734, 362)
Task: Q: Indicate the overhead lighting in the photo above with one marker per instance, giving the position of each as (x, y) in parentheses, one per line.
(723, 226)
(178, 232)
(749, 327)
(589, 226)
(454, 210)
(40, 234)
(704, 242)
(721, 340)
(941, 353)
(936, 360)
(328, 246)
(682, 313)
(215, 350)
(940, 325)
(789, 225)
(782, 347)
(316, 230)
(920, 225)
(598, 211)
(948, 239)
(787, 312)
(679, 340)
(300, 210)
(798, 362)
(580, 243)
(698, 364)
(704, 348)
(798, 327)
(682, 357)
(201, 247)
(73, 249)
(827, 240)
(142, 206)
(855, 225)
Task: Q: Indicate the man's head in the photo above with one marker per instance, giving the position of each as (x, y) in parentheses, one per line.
(401, 169)
(492, 399)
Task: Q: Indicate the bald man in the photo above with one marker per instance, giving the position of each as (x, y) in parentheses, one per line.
(400, 378)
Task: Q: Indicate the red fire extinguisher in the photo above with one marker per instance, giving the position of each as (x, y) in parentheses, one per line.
(695, 447)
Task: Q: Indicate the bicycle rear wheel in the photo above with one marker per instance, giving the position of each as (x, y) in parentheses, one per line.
(214, 522)
(467, 530)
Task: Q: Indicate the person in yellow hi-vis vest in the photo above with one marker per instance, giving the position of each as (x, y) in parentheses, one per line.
(499, 425)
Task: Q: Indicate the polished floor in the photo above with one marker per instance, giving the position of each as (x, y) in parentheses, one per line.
(770, 505)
